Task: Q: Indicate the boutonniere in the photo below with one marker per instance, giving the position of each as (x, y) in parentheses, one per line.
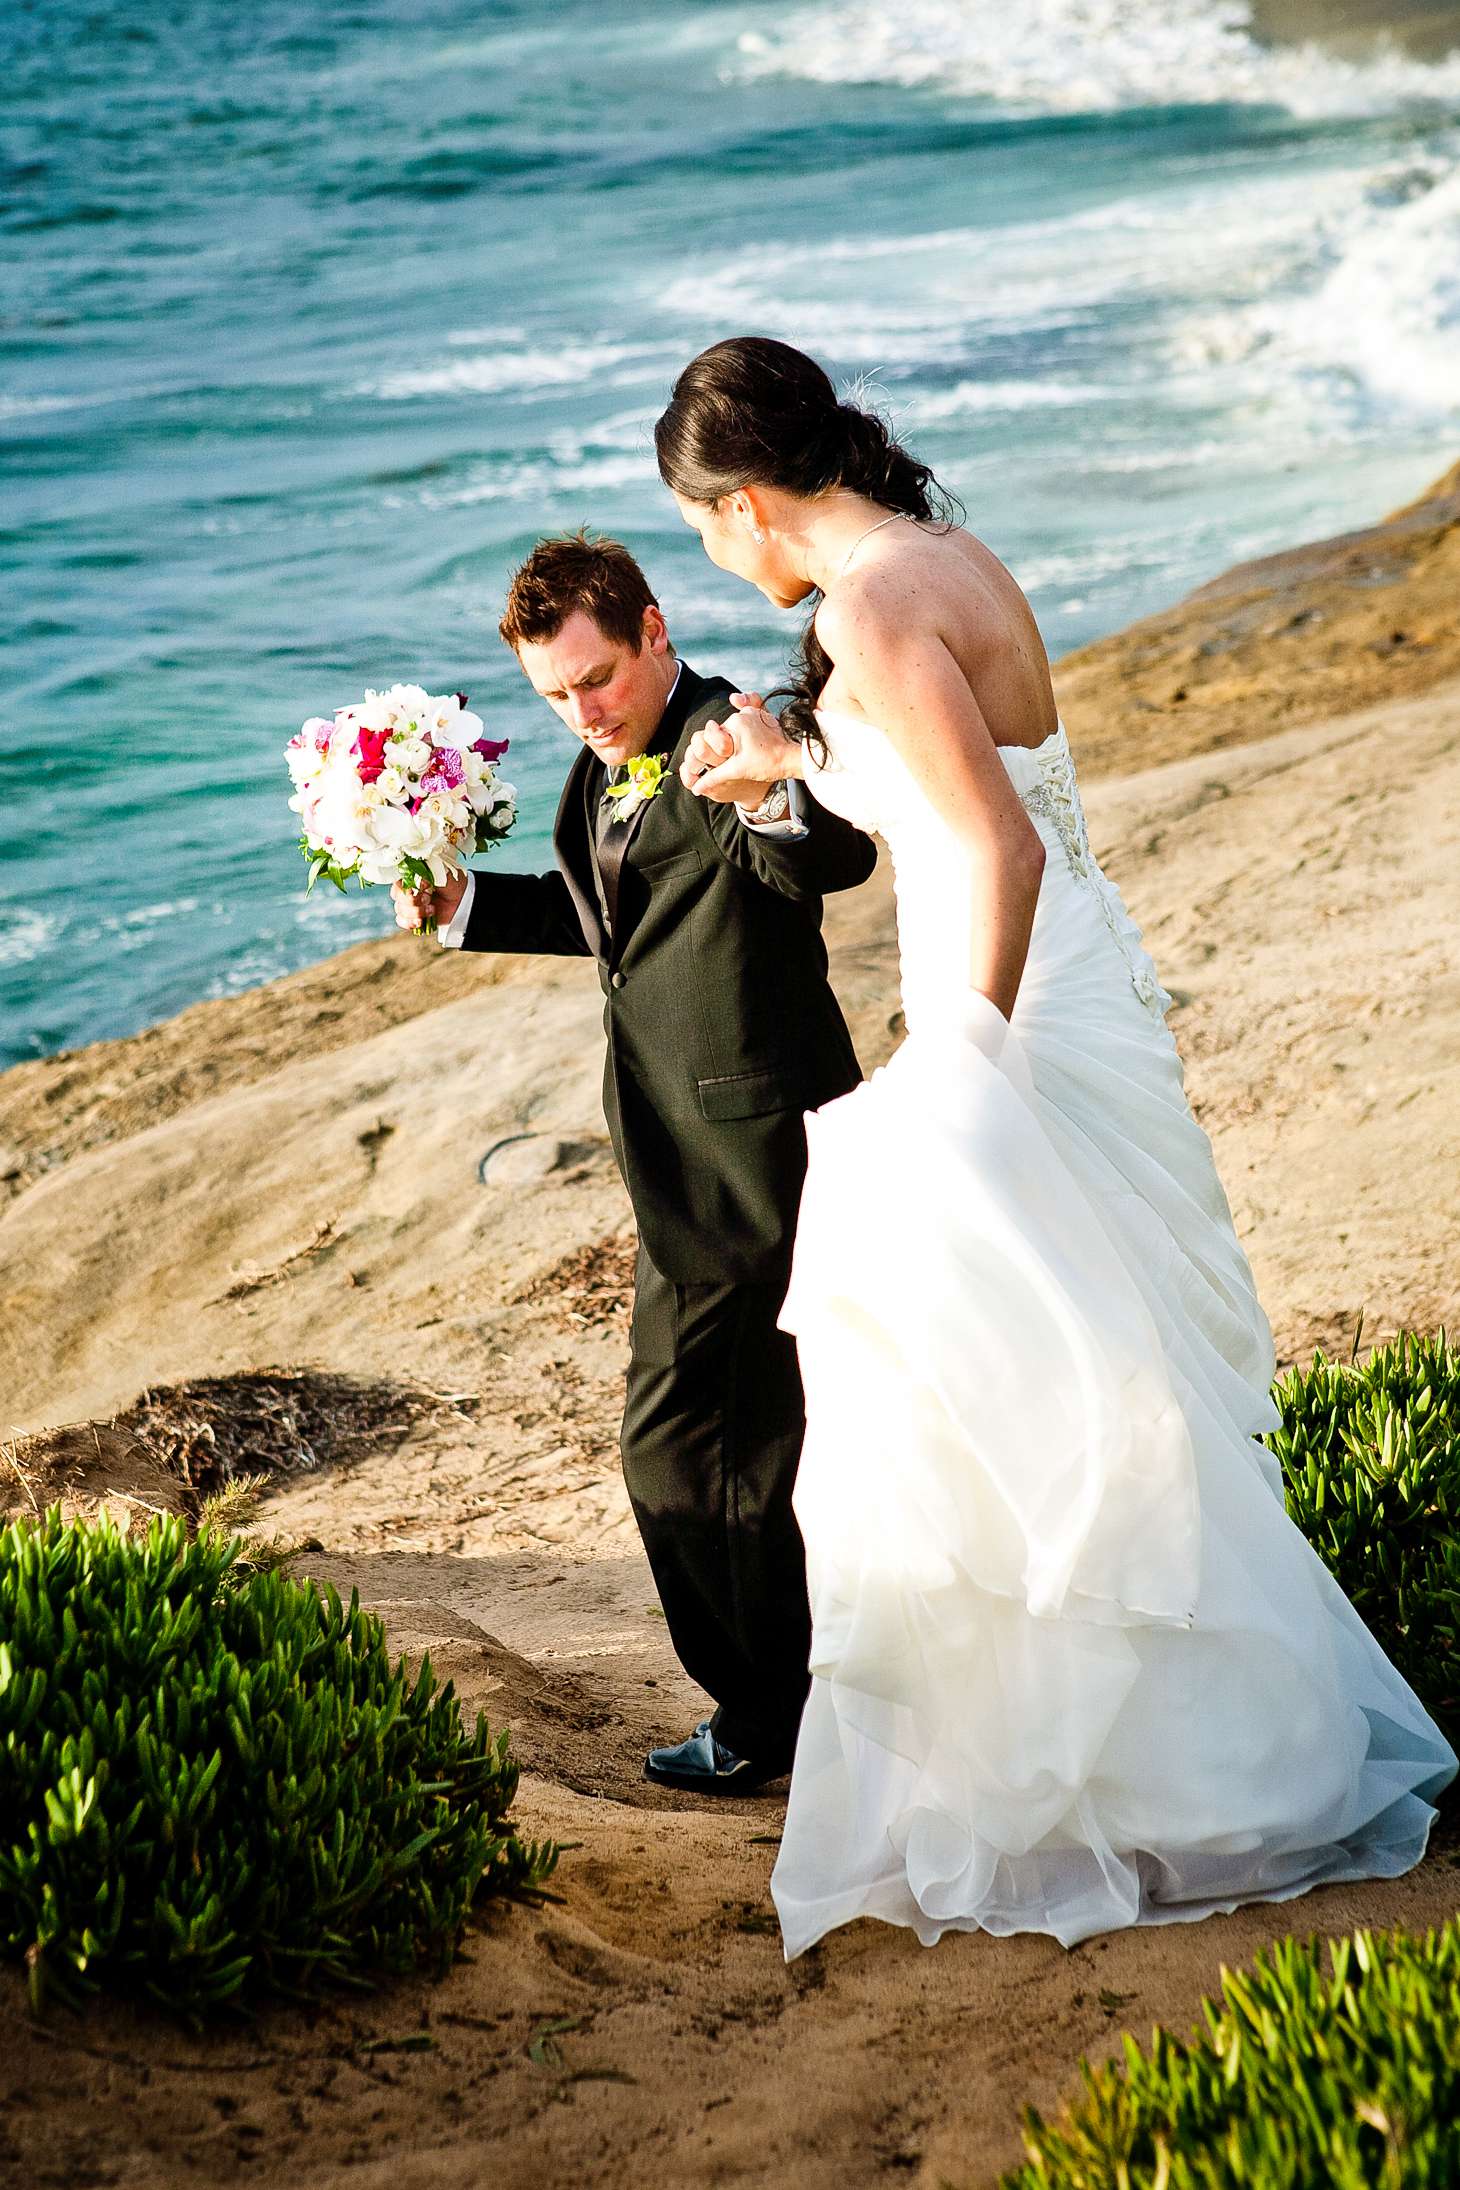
(643, 780)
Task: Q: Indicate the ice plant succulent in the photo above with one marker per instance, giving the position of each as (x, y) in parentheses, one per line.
(216, 1782)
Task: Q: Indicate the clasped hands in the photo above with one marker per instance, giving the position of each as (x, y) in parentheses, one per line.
(736, 761)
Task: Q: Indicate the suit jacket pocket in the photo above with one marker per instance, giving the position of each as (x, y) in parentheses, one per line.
(748, 1094)
(655, 870)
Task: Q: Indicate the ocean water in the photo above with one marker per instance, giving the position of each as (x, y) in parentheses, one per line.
(311, 320)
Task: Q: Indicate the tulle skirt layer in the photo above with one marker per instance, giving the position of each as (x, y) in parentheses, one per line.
(1073, 1667)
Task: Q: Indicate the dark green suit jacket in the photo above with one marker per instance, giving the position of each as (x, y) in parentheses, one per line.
(722, 1027)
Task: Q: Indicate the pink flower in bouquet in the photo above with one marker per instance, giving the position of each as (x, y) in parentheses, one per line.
(491, 749)
(445, 772)
(370, 745)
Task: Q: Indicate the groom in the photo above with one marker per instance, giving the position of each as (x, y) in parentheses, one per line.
(722, 1029)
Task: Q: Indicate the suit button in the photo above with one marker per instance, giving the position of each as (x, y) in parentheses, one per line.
(617, 980)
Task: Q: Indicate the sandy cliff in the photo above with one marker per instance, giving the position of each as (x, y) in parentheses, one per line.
(1426, 29)
(291, 1177)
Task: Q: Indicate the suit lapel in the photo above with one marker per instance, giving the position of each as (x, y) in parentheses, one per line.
(661, 813)
(573, 844)
(574, 831)
(670, 739)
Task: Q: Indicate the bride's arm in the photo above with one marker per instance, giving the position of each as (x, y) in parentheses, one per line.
(901, 676)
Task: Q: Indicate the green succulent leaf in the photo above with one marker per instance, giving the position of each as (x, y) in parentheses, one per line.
(216, 1781)
(1332, 2064)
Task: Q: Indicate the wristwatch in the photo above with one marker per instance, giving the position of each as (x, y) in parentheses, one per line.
(773, 807)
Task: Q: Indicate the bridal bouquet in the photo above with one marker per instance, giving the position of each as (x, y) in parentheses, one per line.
(398, 788)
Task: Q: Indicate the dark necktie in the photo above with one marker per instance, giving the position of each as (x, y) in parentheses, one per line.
(610, 839)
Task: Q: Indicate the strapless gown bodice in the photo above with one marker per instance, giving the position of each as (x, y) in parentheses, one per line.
(864, 778)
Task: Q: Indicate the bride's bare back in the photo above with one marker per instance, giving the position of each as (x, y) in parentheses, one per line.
(942, 582)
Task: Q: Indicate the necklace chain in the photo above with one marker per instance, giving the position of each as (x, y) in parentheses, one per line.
(861, 536)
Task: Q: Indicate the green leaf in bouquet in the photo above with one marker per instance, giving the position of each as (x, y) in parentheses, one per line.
(416, 875)
(322, 866)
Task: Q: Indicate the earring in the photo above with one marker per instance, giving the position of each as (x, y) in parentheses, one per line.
(757, 535)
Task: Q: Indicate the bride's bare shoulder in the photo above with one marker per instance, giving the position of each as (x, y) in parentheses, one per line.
(929, 580)
(939, 614)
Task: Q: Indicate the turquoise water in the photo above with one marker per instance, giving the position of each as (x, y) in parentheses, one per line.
(311, 320)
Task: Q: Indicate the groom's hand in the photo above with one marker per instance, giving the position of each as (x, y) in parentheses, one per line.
(413, 908)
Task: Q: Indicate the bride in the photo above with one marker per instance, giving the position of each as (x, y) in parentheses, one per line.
(1072, 1667)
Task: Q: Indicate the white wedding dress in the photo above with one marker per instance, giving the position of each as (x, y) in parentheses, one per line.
(1073, 1667)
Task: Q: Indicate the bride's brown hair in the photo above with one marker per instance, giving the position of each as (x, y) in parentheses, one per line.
(752, 412)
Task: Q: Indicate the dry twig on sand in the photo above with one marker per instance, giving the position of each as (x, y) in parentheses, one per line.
(218, 1431)
(593, 1285)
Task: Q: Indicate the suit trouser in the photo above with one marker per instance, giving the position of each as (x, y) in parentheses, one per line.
(713, 1423)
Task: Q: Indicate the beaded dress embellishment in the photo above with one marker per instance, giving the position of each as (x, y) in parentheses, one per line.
(1056, 799)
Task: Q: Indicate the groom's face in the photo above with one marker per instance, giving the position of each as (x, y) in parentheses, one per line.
(609, 694)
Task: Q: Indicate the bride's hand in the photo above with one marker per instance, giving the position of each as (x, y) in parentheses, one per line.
(737, 760)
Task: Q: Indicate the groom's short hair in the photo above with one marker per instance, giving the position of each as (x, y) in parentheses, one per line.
(574, 570)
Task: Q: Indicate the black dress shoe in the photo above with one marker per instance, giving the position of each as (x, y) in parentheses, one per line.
(704, 1766)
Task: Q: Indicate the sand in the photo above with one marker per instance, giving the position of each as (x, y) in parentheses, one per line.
(1353, 28)
(290, 1177)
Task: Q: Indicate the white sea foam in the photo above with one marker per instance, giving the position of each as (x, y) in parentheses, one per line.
(504, 371)
(459, 338)
(1382, 314)
(323, 909)
(1160, 458)
(974, 398)
(629, 430)
(871, 298)
(692, 606)
(1084, 56)
(24, 934)
(132, 931)
(35, 406)
(613, 452)
(915, 299)
(536, 478)
(149, 916)
(1114, 556)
